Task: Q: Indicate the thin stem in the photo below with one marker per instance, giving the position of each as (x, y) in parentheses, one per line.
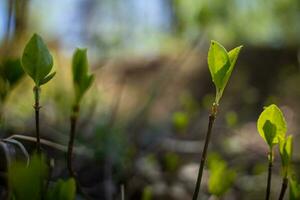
(36, 106)
(72, 173)
(283, 188)
(269, 175)
(73, 121)
(212, 118)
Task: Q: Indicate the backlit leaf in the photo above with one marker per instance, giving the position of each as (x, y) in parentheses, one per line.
(221, 64)
(271, 125)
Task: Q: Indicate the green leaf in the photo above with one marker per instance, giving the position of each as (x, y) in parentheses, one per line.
(271, 125)
(37, 62)
(81, 79)
(26, 182)
(285, 150)
(221, 178)
(221, 64)
(62, 190)
(294, 189)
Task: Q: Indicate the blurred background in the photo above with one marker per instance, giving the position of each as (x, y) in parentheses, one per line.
(143, 122)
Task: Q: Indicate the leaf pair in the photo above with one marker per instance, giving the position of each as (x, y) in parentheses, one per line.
(221, 177)
(271, 125)
(221, 64)
(37, 62)
(81, 79)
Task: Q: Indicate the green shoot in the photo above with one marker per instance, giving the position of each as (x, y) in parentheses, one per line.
(220, 64)
(37, 62)
(285, 151)
(271, 126)
(82, 82)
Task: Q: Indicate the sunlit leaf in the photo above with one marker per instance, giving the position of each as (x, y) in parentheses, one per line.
(221, 64)
(271, 125)
(37, 61)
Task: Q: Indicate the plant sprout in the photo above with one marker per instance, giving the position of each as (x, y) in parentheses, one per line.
(220, 64)
(271, 126)
(82, 82)
(285, 151)
(37, 62)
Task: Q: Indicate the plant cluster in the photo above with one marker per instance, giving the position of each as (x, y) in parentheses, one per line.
(31, 180)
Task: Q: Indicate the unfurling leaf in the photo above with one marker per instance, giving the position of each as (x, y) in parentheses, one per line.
(271, 125)
(37, 62)
(82, 80)
(221, 64)
(286, 150)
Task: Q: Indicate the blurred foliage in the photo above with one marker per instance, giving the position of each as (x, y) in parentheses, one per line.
(221, 178)
(29, 182)
(180, 121)
(10, 73)
(147, 193)
(294, 189)
(62, 190)
(231, 119)
(267, 22)
(171, 161)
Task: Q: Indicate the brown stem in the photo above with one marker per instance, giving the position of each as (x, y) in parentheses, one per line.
(36, 106)
(283, 188)
(73, 120)
(72, 173)
(269, 175)
(212, 118)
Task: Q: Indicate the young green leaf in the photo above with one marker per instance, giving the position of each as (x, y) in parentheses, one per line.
(271, 125)
(294, 189)
(221, 177)
(221, 64)
(82, 80)
(62, 190)
(285, 150)
(37, 62)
